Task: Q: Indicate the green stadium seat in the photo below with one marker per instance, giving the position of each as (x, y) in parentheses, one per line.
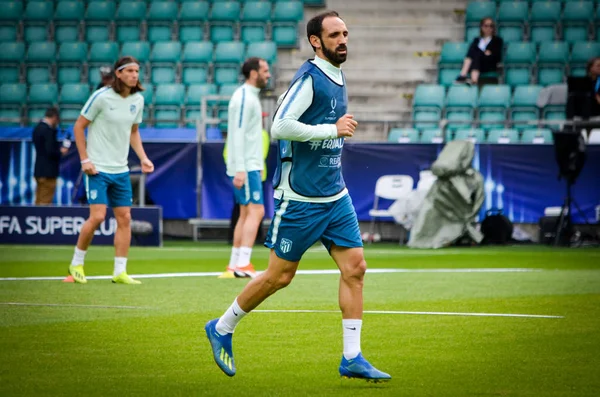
(580, 54)
(459, 119)
(191, 117)
(107, 52)
(503, 136)
(471, 33)
(69, 116)
(221, 33)
(74, 94)
(94, 77)
(226, 75)
(461, 96)
(542, 34)
(166, 52)
(429, 96)
(72, 52)
(10, 117)
(38, 74)
(140, 50)
(226, 90)
(133, 11)
(554, 113)
(229, 52)
(66, 34)
(477, 10)
(266, 50)
(194, 11)
(128, 33)
(537, 136)
(9, 74)
(194, 75)
(162, 11)
(256, 11)
(494, 96)
(162, 75)
(43, 94)
(253, 34)
(167, 118)
(453, 53)
(446, 77)
(432, 135)
(489, 119)
(475, 135)
(160, 17)
(38, 11)
(12, 52)
(97, 33)
(226, 11)
(158, 33)
(578, 13)
(41, 52)
(198, 53)
(169, 95)
(403, 135)
(286, 36)
(69, 11)
(191, 34)
(289, 11)
(426, 118)
(545, 12)
(512, 13)
(511, 34)
(516, 76)
(223, 115)
(196, 92)
(13, 93)
(8, 33)
(35, 114)
(35, 33)
(525, 99)
(574, 34)
(100, 11)
(522, 119)
(68, 74)
(520, 54)
(551, 62)
(148, 94)
(11, 11)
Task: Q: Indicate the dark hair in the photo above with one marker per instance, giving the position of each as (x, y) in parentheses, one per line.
(117, 83)
(590, 63)
(51, 112)
(314, 27)
(482, 22)
(250, 65)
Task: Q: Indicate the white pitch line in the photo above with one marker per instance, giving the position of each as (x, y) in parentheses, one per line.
(303, 272)
(417, 313)
(71, 305)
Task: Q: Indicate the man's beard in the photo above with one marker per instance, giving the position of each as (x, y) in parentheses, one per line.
(261, 83)
(333, 56)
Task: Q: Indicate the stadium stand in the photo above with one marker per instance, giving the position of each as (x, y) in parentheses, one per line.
(51, 49)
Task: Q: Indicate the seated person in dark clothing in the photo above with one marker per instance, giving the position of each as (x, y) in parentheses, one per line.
(484, 53)
(593, 72)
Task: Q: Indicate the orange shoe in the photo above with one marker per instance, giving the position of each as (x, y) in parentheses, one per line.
(246, 271)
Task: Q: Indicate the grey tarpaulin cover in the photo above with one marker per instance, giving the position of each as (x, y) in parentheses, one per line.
(453, 202)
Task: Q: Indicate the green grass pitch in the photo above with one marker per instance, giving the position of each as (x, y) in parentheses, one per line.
(103, 339)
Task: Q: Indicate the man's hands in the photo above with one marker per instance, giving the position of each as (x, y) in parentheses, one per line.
(239, 179)
(147, 166)
(346, 126)
(488, 52)
(88, 167)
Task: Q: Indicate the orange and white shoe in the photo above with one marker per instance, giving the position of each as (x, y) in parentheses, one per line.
(246, 271)
(228, 273)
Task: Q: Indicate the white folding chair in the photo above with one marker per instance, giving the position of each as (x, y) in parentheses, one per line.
(390, 187)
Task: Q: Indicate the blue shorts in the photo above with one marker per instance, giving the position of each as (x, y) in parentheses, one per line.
(113, 190)
(298, 225)
(252, 191)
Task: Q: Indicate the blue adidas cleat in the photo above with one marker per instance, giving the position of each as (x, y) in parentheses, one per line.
(221, 347)
(359, 368)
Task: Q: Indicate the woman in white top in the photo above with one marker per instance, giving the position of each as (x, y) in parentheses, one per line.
(484, 53)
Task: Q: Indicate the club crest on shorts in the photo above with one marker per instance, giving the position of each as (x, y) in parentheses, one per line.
(285, 245)
(132, 109)
(256, 196)
(93, 194)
